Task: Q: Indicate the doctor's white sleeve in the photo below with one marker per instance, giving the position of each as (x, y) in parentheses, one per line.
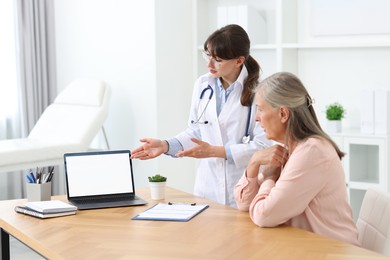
(242, 153)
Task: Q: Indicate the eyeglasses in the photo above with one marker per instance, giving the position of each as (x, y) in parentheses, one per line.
(207, 57)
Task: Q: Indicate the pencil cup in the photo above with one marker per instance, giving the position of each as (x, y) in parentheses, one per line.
(38, 192)
(157, 190)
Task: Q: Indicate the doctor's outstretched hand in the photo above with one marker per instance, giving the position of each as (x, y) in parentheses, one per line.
(203, 150)
(150, 149)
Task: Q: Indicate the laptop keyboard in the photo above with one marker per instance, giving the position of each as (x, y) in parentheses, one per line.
(105, 199)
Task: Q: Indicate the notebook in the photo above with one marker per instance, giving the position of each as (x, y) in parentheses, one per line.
(101, 179)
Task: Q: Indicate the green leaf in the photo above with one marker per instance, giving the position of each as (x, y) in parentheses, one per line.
(335, 111)
(157, 178)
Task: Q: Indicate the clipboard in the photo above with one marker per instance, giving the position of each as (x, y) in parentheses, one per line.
(172, 212)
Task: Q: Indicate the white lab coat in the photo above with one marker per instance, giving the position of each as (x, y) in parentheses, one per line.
(216, 177)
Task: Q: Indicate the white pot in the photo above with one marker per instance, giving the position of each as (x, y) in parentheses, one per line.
(157, 190)
(333, 126)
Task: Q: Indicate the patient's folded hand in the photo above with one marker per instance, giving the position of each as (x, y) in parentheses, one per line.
(271, 172)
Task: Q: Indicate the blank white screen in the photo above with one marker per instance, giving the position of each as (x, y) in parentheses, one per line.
(99, 174)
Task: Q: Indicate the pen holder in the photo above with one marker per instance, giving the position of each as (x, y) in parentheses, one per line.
(157, 190)
(38, 192)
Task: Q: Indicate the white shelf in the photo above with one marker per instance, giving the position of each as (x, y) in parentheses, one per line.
(347, 45)
(254, 47)
(264, 47)
(298, 46)
(358, 134)
(365, 164)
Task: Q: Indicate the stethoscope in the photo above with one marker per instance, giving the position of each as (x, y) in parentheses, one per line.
(245, 139)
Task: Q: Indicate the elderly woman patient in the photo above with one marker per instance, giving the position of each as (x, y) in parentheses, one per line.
(301, 182)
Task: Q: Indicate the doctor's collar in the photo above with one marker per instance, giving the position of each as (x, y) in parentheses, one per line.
(221, 88)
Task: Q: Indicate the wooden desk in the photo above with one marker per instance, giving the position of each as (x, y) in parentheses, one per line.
(219, 232)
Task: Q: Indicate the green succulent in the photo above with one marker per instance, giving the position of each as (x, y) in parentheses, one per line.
(335, 111)
(157, 178)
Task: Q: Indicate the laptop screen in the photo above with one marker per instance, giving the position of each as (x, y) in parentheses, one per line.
(98, 173)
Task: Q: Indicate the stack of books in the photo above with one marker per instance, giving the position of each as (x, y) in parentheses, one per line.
(47, 209)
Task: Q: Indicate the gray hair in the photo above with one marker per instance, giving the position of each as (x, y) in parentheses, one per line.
(284, 89)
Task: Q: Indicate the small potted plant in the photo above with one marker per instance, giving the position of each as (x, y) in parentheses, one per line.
(157, 186)
(334, 113)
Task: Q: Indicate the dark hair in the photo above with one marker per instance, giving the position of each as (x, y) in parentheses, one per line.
(286, 89)
(229, 42)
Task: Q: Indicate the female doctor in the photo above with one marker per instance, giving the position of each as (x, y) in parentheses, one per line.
(221, 130)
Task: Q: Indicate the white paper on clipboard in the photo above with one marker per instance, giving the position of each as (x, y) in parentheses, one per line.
(171, 212)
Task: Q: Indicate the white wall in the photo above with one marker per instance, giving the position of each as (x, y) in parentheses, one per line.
(341, 74)
(140, 51)
(174, 72)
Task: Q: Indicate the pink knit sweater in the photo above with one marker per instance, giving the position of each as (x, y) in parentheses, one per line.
(310, 194)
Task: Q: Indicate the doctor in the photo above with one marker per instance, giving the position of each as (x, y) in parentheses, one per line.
(221, 129)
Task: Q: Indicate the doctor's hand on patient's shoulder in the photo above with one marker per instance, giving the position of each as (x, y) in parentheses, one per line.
(150, 149)
(203, 150)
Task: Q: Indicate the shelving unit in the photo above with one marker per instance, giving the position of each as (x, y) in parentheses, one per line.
(365, 164)
(325, 64)
(290, 46)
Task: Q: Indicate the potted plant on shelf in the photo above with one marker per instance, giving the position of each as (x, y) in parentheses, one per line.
(334, 113)
(157, 186)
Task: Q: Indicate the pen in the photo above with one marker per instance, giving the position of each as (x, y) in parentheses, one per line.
(50, 176)
(173, 203)
(41, 176)
(45, 177)
(29, 179)
(32, 177)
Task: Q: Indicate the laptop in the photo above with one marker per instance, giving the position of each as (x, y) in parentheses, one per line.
(100, 179)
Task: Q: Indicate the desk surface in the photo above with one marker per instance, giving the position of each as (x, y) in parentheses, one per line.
(219, 232)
